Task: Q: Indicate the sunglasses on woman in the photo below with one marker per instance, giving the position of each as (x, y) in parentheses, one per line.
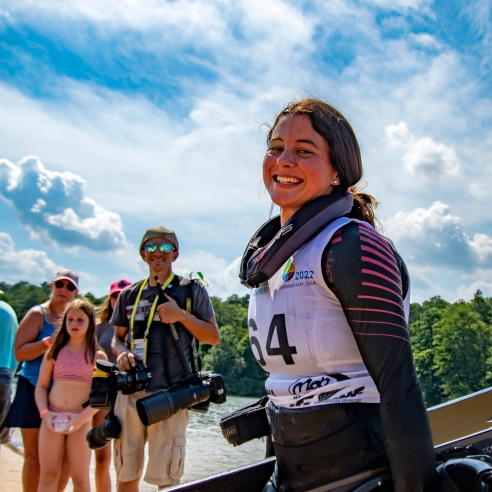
(152, 248)
(60, 283)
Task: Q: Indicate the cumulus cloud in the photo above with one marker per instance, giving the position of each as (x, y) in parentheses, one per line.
(52, 205)
(26, 264)
(467, 292)
(423, 157)
(434, 237)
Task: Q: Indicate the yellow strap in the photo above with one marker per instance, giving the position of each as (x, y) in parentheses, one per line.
(99, 374)
(152, 309)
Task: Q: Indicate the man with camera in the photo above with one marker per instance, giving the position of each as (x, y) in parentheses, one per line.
(143, 316)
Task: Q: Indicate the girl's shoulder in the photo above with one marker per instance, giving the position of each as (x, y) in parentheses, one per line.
(100, 355)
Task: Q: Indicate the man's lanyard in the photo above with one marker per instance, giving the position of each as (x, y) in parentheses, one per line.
(152, 309)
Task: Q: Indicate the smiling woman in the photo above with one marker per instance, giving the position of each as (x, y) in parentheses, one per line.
(330, 325)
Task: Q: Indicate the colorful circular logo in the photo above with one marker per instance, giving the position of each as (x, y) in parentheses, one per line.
(289, 271)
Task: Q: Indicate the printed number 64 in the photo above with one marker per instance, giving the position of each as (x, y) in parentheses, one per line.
(283, 349)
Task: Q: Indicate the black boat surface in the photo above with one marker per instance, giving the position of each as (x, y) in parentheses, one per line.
(460, 428)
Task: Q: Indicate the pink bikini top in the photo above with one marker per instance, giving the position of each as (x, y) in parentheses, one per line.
(70, 367)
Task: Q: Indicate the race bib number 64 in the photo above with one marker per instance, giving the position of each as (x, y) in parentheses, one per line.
(284, 349)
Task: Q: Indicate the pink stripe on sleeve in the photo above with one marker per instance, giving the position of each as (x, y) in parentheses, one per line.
(382, 265)
(377, 311)
(388, 258)
(380, 335)
(382, 299)
(378, 323)
(377, 274)
(371, 236)
(377, 286)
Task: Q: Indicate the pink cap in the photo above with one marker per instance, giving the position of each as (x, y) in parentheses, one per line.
(119, 285)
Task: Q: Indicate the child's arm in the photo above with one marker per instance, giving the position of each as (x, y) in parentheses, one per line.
(41, 391)
(79, 419)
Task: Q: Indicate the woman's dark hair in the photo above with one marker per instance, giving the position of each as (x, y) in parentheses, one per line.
(62, 337)
(344, 150)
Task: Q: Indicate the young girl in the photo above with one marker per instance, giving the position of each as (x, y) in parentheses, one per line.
(70, 364)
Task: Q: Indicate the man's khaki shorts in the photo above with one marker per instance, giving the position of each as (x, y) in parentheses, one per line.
(167, 440)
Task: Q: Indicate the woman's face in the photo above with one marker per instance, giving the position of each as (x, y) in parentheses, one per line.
(296, 166)
(63, 291)
(113, 299)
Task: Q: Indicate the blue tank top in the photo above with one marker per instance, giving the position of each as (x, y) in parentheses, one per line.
(30, 368)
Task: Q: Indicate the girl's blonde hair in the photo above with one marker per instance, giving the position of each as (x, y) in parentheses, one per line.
(62, 337)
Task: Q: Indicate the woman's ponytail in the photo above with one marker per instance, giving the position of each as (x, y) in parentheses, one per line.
(364, 206)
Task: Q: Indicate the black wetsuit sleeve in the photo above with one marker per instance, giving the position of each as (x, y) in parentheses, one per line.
(366, 276)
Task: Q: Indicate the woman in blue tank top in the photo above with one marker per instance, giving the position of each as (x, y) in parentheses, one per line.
(34, 337)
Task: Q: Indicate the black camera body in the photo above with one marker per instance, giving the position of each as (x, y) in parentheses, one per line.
(107, 380)
(195, 391)
(136, 379)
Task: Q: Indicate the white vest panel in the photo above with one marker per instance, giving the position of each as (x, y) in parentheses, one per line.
(300, 335)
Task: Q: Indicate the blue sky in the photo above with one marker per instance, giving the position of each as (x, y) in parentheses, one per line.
(120, 115)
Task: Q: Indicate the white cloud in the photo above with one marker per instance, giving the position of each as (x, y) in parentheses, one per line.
(426, 40)
(29, 265)
(194, 158)
(423, 157)
(467, 292)
(480, 190)
(434, 238)
(481, 245)
(222, 276)
(421, 6)
(160, 26)
(53, 207)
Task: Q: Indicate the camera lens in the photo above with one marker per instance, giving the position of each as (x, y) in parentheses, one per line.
(161, 406)
(99, 436)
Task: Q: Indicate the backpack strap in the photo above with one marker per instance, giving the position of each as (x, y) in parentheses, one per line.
(195, 345)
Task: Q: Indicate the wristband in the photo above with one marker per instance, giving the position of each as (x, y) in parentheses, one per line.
(46, 341)
(42, 413)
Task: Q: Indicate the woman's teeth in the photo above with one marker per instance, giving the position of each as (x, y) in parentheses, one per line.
(283, 180)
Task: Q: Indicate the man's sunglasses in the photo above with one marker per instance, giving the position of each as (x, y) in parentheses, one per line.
(60, 283)
(152, 248)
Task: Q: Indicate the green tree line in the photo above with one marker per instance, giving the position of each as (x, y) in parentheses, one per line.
(452, 342)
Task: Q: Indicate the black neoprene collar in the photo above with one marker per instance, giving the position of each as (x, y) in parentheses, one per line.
(271, 246)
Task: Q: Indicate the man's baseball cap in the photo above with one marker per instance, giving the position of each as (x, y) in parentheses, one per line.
(119, 285)
(161, 233)
(67, 275)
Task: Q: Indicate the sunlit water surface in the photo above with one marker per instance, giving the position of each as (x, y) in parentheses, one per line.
(207, 452)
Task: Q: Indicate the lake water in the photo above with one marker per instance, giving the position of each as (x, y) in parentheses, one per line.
(207, 452)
